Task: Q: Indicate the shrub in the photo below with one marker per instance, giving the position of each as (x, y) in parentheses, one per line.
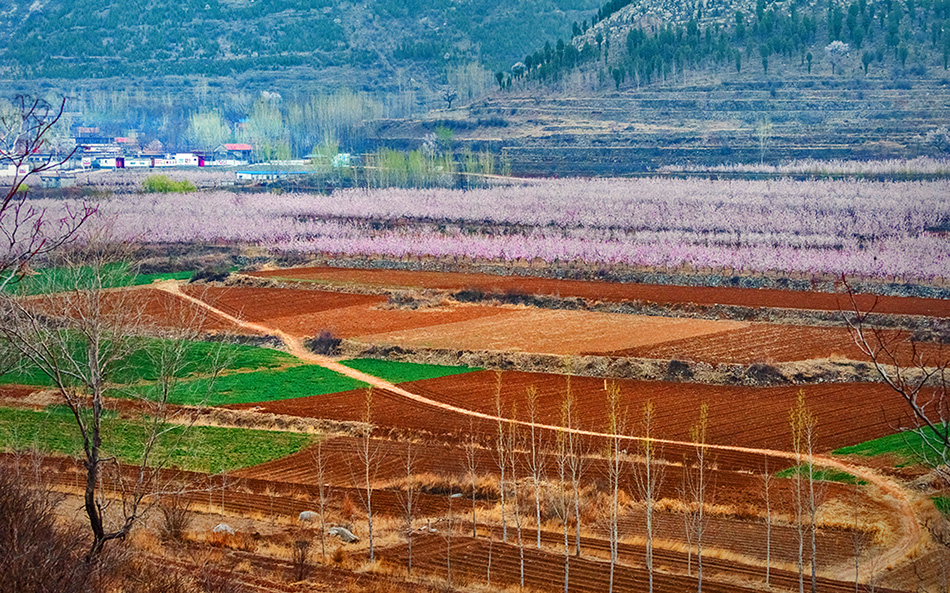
(324, 343)
(212, 272)
(176, 518)
(678, 371)
(47, 558)
(764, 375)
(163, 184)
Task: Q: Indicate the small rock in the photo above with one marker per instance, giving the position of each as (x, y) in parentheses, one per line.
(344, 534)
(307, 517)
(223, 528)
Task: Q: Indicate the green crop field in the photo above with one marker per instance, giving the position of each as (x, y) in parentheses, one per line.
(908, 445)
(51, 280)
(143, 364)
(399, 372)
(260, 386)
(199, 448)
(821, 475)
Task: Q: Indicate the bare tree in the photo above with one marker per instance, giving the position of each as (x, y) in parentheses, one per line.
(696, 482)
(576, 460)
(27, 232)
(802, 425)
(471, 464)
(615, 429)
(501, 457)
(368, 454)
(449, 532)
(409, 498)
(648, 478)
(513, 454)
(40, 554)
(922, 381)
(320, 467)
(767, 499)
(563, 499)
(536, 461)
(84, 340)
(810, 426)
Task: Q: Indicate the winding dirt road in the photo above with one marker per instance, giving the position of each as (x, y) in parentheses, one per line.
(909, 531)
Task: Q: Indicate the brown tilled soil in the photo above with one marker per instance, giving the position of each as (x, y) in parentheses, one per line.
(738, 415)
(303, 313)
(554, 332)
(767, 343)
(446, 469)
(471, 560)
(263, 304)
(615, 292)
(144, 307)
(16, 392)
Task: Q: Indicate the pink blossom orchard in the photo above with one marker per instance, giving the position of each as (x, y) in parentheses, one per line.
(866, 228)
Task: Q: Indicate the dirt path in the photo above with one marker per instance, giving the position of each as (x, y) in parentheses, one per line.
(890, 492)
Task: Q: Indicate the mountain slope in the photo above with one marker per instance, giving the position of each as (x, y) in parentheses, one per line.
(315, 43)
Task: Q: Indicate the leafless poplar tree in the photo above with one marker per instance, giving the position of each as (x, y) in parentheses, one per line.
(512, 448)
(320, 465)
(697, 482)
(615, 459)
(563, 500)
(767, 499)
(802, 425)
(501, 457)
(536, 460)
(369, 458)
(576, 460)
(471, 464)
(648, 478)
(409, 498)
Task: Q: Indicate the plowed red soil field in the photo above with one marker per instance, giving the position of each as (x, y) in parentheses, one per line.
(16, 392)
(768, 343)
(740, 489)
(231, 492)
(545, 570)
(834, 549)
(147, 306)
(263, 304)
(612, 291)
(554, 332)
(476, 327)
(308, 312)
(847, 413)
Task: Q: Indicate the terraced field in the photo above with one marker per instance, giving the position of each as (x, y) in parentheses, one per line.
(675, 404)
(607, 291)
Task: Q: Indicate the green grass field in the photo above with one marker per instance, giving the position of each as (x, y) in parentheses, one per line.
(143, 364)
(200, 448)
(821, 475)
(50, 280)
(399, 372)
(260, 386)
(911, 446)
(251, 374)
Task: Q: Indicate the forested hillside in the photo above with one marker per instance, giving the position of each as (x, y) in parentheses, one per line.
(637, 43)
(650, 83)
(374, 45)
